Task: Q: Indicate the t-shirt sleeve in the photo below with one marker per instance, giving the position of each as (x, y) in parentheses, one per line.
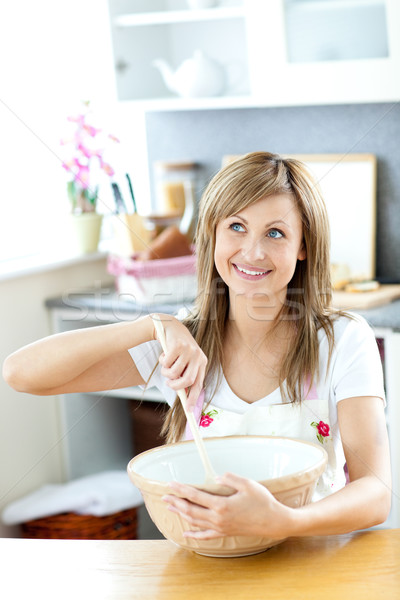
(357, 369)
(145, 356)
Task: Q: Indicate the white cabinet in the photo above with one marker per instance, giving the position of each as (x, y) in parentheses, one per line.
(389, 342)
(145, 31)
(95, 428)
(325, 51)
(277, 52)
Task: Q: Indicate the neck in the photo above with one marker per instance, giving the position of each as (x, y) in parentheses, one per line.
(251, 318)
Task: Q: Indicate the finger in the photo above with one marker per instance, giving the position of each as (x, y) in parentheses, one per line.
(194, 495)
(194, 515)
(189, 378)
(237, 482)
(170, 358)
(193, 395)
(195, 389)
(176, 369)
(180, 383)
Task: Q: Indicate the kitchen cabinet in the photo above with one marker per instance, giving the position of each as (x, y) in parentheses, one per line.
(389, 345)
(280, 52)
(96, 428)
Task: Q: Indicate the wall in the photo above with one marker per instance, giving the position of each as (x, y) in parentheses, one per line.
(206, 136)
(29, 430)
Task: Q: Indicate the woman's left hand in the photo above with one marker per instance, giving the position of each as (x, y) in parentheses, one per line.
(251, 510)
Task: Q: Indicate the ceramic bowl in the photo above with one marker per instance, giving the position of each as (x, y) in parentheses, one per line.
(288, 468)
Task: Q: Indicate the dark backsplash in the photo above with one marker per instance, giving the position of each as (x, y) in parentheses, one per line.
(206, 136)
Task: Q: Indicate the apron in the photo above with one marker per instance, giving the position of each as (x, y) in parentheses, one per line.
(308, 421)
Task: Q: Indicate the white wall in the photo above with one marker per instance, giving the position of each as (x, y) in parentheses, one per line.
(54, 55)
(29, 430)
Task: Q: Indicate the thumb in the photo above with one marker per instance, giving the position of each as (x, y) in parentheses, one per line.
(234, 481)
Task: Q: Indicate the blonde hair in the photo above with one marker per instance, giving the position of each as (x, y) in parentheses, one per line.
(239, 184)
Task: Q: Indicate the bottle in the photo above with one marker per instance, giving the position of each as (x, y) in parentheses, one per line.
(176, 185)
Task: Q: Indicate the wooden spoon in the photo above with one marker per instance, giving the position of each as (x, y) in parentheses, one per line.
(210, 484)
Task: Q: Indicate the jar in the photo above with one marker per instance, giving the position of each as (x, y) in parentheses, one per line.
(176, 185)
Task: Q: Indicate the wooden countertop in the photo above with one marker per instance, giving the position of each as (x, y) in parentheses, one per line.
(359, 565)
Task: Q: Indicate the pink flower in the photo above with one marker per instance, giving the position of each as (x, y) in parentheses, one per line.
(87, 152)
(323, 429)
(205, 421)
(82, 175)
(80, 119)
(85, 163)
(108, 170)
(207, 418)
(92, 131)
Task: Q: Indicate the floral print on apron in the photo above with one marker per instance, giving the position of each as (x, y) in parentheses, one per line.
(308, 421)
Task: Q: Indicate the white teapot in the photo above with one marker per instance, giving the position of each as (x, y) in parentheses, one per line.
(196, 77)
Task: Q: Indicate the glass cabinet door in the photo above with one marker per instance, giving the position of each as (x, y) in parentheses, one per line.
(324, 30)
(324, 51)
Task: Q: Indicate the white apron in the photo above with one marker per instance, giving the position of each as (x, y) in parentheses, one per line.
(308, 421)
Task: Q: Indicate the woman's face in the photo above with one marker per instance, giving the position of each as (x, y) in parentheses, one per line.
(257, 249)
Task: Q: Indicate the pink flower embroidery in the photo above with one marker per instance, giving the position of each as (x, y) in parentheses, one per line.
(322, 430)
(207, 418)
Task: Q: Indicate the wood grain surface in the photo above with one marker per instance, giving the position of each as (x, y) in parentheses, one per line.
(353, 566)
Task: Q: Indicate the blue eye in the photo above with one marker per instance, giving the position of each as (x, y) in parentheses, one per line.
(236, 227)
(275, 233)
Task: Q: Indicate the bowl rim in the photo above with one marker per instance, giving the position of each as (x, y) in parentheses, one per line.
(274, 484)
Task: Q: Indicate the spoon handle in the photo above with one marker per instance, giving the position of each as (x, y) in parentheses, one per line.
(210, 473)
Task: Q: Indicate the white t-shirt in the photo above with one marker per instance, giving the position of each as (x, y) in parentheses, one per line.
(354, 370)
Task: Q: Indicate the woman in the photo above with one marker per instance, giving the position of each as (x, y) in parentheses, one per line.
(281, 361)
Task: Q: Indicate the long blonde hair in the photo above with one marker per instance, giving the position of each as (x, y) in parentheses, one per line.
(239, 184)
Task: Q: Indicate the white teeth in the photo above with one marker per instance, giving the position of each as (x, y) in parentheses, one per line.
(250, 272)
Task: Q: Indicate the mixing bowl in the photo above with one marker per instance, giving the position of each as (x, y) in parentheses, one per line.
(288, 468)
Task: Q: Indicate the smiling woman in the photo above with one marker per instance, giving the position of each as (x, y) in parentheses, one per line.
(263, 352)
(250, 248)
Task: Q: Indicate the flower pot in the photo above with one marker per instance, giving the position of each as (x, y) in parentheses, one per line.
(86, 229)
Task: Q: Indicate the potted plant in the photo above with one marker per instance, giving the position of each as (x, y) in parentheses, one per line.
(84, 162)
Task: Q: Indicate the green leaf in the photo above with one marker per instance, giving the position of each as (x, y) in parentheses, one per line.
(71, 191)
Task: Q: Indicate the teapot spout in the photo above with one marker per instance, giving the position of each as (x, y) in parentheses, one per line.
(166, 73)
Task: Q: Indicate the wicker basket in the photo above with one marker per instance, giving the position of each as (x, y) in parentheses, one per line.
(70, 526)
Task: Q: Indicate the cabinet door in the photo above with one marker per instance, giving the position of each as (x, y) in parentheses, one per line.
(324, 51)
(389, 347)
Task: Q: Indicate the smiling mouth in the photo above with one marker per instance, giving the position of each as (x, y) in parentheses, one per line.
(249, 272)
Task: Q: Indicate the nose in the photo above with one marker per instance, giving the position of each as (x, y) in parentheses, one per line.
(254, 249)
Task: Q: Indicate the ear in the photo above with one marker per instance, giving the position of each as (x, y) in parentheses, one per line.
(302, 254)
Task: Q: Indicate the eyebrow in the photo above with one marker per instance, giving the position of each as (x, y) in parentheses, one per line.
(266, 226)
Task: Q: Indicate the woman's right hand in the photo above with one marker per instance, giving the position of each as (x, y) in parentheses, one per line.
(184, 363)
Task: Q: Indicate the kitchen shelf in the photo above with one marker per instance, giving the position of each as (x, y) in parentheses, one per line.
(178, 16)
(175, 34)
(290, 52)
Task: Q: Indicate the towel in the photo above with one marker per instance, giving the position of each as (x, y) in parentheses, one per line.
(99, 495)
